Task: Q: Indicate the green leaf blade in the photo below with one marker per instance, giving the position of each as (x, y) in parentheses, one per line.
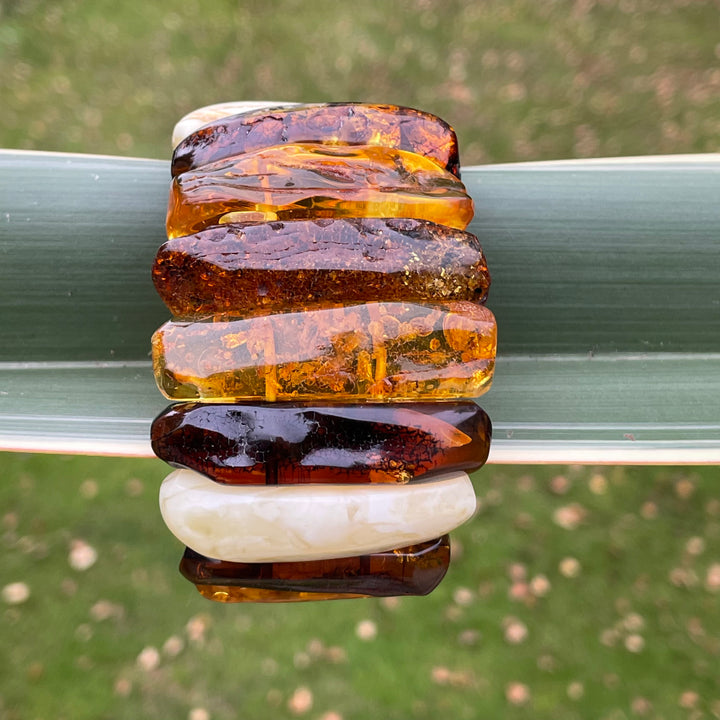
(605, 286)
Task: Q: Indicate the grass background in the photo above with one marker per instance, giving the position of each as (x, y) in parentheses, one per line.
(575, 593)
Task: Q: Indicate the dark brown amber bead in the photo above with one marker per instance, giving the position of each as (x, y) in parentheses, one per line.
(295, 443)
(375, 351)
(243, 268)
(338, 123)
(413, 570)
(298, 182)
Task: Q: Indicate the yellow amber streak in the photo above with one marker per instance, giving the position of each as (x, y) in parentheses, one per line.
(293, 182)
(232, 594)
(377, 351)
(449, 210)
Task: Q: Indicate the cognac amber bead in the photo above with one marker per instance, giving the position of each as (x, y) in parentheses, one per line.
(413, 570)
(238, 269)
(297, 182)
(295, 443)
(336, 123)
(376, 351)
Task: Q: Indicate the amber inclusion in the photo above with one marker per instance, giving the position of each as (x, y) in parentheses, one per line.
(241, 268)
(413, 570)
(335, 123)
(295, 182)
(297, 443)
(375, 351)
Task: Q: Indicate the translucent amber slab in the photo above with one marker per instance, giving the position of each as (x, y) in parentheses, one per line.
(293, 443)
(297, 523)
(413, 570)
(376, 351)
(336, 123)
(296, 182)
(238, 269)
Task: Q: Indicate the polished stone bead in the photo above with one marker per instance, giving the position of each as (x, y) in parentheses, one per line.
(284, 444)
(376, 351)
(414, 570)
(243, 268)
(297, 182)
(207, 114)
(290, 523)
(336, 123)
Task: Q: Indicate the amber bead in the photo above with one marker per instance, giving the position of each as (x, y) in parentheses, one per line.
(413, 570)
(295, 443)
(335, 123)
(276, 266)
(296, 182)
(376, 351)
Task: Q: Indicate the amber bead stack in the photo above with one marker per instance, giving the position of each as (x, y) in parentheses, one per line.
(329, 323)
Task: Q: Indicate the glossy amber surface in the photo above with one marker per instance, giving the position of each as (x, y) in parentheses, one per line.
(413, 570)
(295, 182)
(375, 351)
(335, 123)
(296, 443)
(240, 268)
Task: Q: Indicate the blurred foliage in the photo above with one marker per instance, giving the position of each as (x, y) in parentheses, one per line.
(518, 79)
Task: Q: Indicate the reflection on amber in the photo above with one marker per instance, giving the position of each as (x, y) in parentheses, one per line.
(413, 570)
(233, 594)
(240, 268)
(296, 443)
(295, 182)
(335, 123)
(376, 351)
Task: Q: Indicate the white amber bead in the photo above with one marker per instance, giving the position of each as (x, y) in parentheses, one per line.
(202, 116)
(310, 522)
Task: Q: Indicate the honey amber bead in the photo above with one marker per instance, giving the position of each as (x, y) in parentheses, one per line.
(277, 266)
(375, 351)
(297, 182)
(335, 123)
(413, 570)
(294, 443)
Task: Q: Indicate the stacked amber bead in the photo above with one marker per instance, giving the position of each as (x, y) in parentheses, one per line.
(328, 318)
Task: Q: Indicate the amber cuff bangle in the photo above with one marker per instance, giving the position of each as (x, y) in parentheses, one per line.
(326, 296)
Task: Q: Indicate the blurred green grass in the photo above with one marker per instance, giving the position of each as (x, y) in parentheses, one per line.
(518, 79)
(574, 593)
(578, 593)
